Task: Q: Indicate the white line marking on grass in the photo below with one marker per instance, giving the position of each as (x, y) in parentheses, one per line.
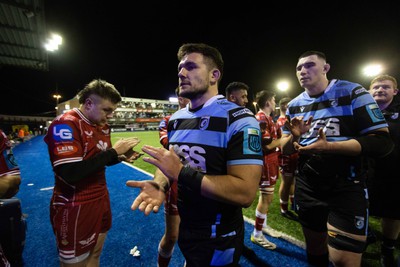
(136, 168)
(46, 188)
(286, 237)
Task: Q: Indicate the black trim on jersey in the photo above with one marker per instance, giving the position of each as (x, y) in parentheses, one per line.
(76, 171)
(239, 113)
(341, 101)
(214, 124)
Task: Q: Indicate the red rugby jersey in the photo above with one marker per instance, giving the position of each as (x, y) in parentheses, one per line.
(71, 137)
(8, 166)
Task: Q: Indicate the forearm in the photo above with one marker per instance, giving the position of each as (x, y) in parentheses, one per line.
(273, 145)
(349, 147)
(74, 172)
(287, 146)
(377, 144)
(161, 180)
(239, 187)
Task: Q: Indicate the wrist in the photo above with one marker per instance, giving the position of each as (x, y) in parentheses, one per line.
(190, 179)
(165, 185)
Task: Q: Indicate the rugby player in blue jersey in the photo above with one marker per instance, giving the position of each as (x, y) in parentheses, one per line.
(215, 156)
(334, 124)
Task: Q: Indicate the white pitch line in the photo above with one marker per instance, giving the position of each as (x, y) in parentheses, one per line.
(284, 236)
(46, 188)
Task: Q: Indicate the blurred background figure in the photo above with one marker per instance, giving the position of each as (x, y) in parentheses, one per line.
(287, 167)
(269, 142)
(12, 221)
(236, 92)
(383, 183)
(172, 220)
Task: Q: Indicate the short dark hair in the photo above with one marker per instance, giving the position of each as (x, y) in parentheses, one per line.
(263, 96)
(212, 55)
(100, 88)
(235, 86)
(283, 102)
(313, 52)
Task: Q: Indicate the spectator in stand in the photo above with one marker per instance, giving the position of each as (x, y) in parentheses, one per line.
(21, 134)
(215, 157)
(383, 183)
(270, 142)
(79, 145)
(287, 166)
(236, 92)
(334, 125)
(172, 220)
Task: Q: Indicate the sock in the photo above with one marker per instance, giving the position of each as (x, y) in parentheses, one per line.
(284, 205)
(265, 221)
(291, 198)
(163, 262)
(164, 257)
(260, 219)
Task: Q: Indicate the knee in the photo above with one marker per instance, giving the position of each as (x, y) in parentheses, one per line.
(342, 242)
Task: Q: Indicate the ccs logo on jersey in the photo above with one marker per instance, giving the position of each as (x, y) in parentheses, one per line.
(62, 132)
(65, 150)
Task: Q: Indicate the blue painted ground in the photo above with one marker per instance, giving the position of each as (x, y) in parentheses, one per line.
(130, 228)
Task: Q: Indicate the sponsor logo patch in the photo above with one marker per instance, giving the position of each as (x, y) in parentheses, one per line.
(65, 150)
(359, 222)
(204, 121)
(62, 132)
(241, 112)
(375, 112)
(252, 141)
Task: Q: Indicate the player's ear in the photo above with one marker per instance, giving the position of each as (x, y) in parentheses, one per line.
(327, 67)
(215, 75)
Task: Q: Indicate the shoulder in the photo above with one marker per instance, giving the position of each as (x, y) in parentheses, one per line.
(347, 85)
(225, 104)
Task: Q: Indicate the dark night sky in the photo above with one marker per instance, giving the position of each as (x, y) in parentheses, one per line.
(133, 45)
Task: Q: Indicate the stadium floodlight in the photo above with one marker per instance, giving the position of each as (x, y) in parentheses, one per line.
(282, 86)
(173, 99)
(57, 97)
(255, 106)
(372, 70)
(53, 43)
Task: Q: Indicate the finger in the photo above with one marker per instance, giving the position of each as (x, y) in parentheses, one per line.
(296, 145)
(321, 133)
(133, 183)
(152, 148)
(156, 209)
(136, 203)
(149, 209)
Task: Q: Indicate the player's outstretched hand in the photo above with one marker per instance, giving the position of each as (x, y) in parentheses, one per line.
(150, 198)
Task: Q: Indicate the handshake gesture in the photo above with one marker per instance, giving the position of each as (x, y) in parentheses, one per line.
(124, 148)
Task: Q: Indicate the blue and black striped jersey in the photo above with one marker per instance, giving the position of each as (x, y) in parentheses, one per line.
(209, 139)
(345, 110)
